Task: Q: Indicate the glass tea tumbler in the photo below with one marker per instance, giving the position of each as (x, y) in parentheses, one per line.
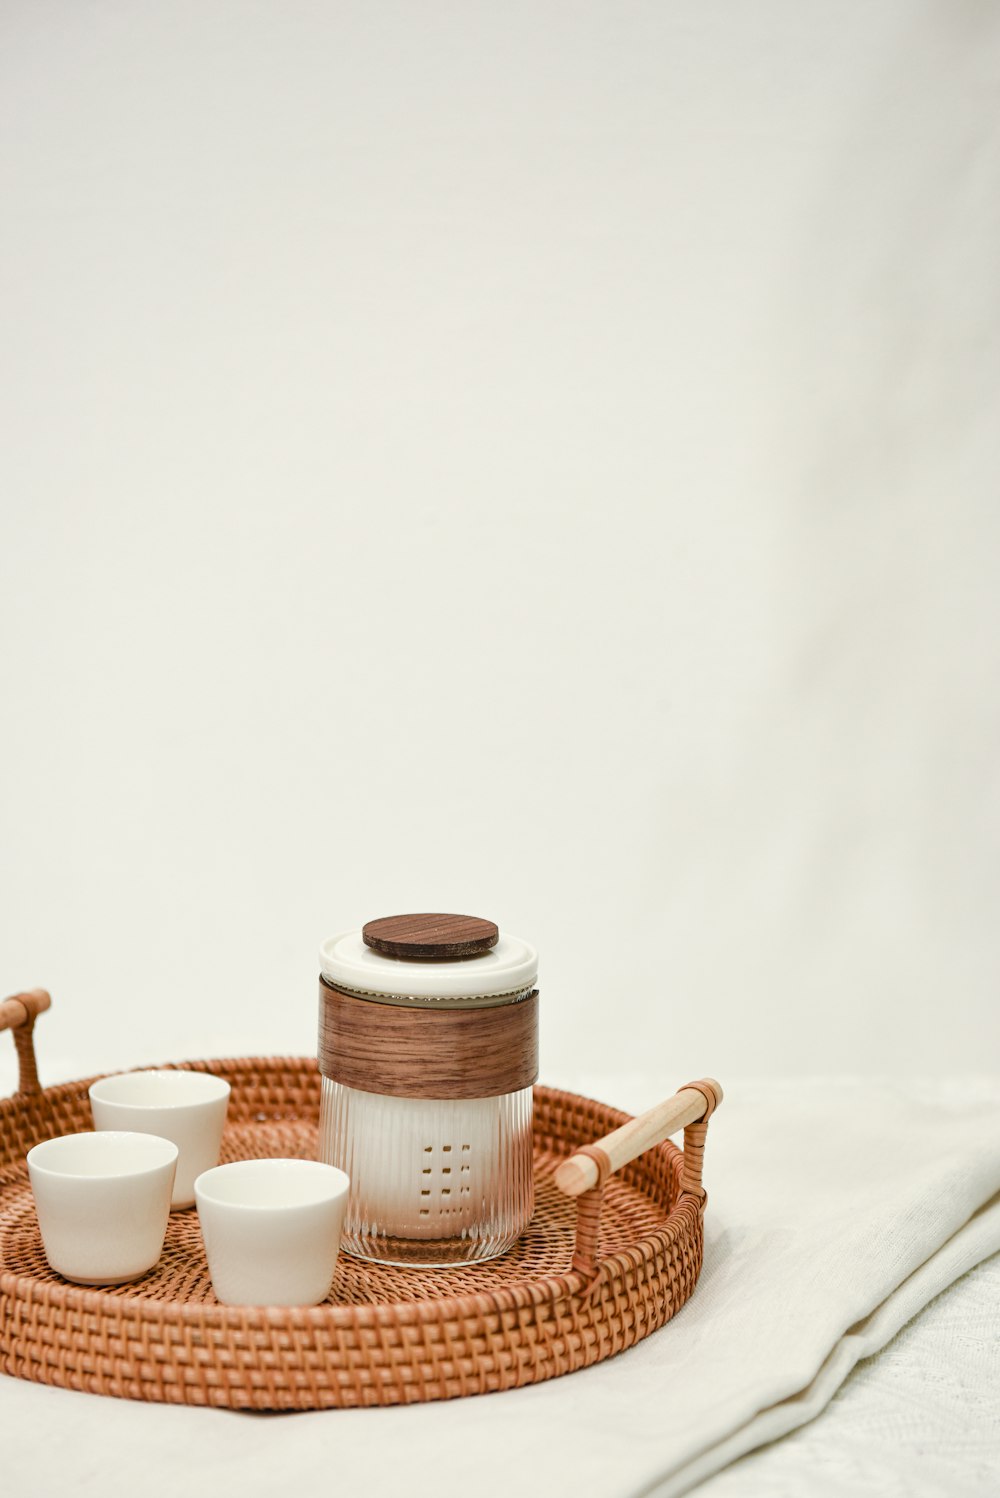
(428, 1049)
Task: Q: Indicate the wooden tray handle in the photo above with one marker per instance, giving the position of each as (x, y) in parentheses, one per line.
(583, 1175)
(19, 1013)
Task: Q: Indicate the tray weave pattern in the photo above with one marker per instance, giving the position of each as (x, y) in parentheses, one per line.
(559, 1301)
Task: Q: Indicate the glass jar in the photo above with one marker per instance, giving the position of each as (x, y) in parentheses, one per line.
(428, 1049)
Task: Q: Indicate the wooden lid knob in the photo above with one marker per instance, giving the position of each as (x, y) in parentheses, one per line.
(435, 938)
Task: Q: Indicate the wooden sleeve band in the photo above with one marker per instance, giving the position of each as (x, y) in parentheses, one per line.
(403, 1051)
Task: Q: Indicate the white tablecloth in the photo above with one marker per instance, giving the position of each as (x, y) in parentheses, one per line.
(838, 1209)
(920, 1419)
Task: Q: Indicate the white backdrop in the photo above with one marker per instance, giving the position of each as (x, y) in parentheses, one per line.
(534, 459)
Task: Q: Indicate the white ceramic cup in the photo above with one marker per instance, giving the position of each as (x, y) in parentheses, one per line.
(272, 1230)
(188, 1107)
(103, 1200)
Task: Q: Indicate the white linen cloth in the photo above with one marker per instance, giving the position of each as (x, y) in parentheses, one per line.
(919, 1419)
(837, 1209)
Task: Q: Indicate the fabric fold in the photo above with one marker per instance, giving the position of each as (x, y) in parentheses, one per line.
(971, 1245)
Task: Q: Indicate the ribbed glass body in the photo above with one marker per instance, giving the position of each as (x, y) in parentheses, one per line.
(433, 1181)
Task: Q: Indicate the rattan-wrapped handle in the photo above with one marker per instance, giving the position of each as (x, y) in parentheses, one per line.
(583, 1175)
(19, 1013)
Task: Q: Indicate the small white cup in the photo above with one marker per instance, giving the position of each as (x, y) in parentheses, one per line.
(103, 1200)
(272, 1230)
(188, 1107)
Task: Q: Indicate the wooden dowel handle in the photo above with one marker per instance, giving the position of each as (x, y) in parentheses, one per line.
(19, 1014)
(22, 1007)
(580, 1173)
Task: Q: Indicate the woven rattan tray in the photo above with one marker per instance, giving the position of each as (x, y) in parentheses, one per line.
(589, 1278)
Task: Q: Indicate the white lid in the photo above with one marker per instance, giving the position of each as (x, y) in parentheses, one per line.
(509, 967)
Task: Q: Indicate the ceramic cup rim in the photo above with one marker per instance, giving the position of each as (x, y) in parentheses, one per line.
(338, 1184)
(206, 1088)
(162, 1152)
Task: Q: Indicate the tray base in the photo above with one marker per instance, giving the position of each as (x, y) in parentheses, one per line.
(546, 1247)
